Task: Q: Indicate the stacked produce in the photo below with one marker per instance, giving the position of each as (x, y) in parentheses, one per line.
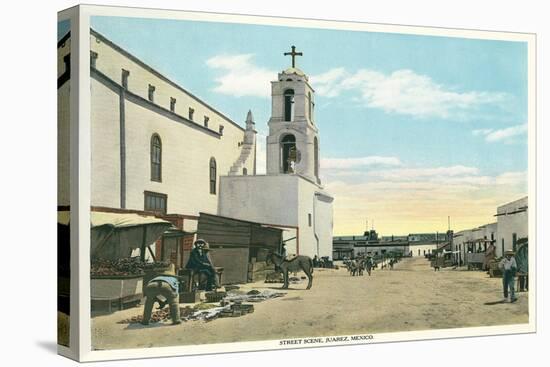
(123, 267)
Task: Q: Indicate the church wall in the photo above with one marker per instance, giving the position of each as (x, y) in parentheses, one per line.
(186, 147)
(111, 61)
(264, 199)
(105, 146)
(324, 227)
(186, 154)
(321, 222)
(284, 200)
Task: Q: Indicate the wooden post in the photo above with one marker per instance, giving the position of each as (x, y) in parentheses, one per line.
(143, 244)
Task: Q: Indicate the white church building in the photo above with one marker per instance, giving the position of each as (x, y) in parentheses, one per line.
(290, 193)
(157, 148)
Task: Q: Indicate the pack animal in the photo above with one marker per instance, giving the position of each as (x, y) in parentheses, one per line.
(300, 262)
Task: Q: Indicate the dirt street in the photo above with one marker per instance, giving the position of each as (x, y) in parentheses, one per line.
(410, 297)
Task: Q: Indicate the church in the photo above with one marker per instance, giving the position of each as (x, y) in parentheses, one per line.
(157, 149)
(291, 192)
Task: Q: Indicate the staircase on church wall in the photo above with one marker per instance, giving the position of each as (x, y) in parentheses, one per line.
(246, 149)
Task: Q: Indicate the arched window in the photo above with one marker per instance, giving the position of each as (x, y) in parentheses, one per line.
(213, 176)
(156, 158)
(288, 153)
(289, 104)
(316, 157)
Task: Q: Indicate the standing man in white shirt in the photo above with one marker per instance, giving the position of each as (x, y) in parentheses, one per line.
(509, 267)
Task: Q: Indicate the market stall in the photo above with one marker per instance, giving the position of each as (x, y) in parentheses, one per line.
(116, 275)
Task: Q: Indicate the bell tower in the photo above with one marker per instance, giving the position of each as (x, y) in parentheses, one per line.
(293, 141)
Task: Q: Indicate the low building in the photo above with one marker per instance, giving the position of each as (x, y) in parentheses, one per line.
(422, 244)
(511, 227)
(512, 223)
(414, 244)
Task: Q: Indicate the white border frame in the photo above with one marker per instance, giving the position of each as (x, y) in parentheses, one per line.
(80, 348)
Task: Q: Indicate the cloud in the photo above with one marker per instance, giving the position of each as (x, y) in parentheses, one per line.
(481, 132)
(507, 133)
(241, 77)
(346, 163)
(424, 173)
(404, 199)
(403, 92)
(420, 199)
(504, 135)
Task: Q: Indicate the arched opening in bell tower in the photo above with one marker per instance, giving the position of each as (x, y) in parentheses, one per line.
(289, 104)
(288, 153)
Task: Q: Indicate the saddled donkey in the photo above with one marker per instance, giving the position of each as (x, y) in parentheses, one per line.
(294, 265)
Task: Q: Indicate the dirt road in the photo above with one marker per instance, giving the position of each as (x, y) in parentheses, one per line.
(410, 297)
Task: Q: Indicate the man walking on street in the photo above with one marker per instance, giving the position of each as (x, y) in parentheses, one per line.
(509, 268)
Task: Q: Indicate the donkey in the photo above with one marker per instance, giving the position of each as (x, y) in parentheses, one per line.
(294, 265)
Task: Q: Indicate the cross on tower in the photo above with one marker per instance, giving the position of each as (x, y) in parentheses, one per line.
(294, 54)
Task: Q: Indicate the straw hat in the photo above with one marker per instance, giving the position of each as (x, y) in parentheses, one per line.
(509, 252)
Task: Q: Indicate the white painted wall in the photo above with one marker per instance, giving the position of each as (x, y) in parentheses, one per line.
(301, 126)
(111, 62)
(265, 199)
(105, 146)
(283, 200)
(186, 151)
(421, 248)
(511, 223)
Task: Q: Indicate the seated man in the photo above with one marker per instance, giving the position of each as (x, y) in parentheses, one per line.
(200, 262)
(165, 286)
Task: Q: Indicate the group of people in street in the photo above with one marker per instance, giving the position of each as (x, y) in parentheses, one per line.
(165, 288)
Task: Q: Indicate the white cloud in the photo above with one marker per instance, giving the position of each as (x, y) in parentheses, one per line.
(504, 135)
(345, 163)
(481, 132)
(422, 198)
(402, 92)
(241, 77)
(425, 173)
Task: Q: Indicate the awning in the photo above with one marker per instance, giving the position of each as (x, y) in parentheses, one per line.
(115, 235)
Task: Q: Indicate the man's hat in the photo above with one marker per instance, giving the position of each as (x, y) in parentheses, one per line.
(206, 246)
(509, 252)
(200, 242)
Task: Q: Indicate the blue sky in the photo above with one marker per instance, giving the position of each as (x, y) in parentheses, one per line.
(425, 116)
(62, 28)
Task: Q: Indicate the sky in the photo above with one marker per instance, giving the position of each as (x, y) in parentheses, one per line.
(413, 129)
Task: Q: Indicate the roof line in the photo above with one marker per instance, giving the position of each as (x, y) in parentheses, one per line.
(102, 78)
(244, 220)
(160, 75)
